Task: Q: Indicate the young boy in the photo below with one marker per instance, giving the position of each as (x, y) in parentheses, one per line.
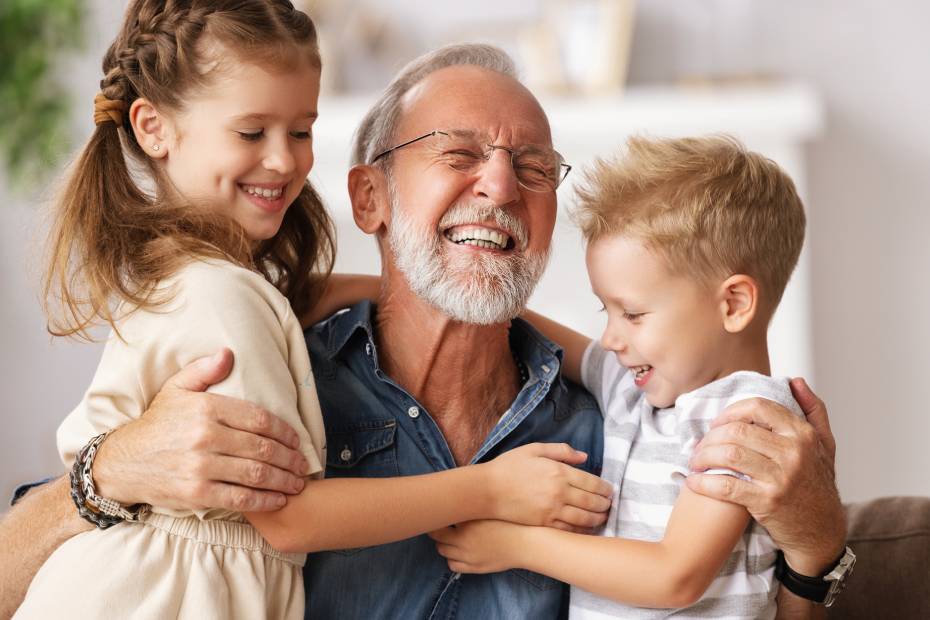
(690, 245)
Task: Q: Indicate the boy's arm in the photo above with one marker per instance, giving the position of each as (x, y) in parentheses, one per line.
(573, 343)
(527, 485)
(342, 290)
(674, 572)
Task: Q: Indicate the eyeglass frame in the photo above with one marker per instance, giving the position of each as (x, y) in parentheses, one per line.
(491, 147)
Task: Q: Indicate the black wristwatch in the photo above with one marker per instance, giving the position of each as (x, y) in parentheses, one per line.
(822, 589)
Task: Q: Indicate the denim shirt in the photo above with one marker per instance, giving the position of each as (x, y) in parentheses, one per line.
(374, 428)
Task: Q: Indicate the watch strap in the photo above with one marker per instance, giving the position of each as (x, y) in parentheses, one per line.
(821, 589)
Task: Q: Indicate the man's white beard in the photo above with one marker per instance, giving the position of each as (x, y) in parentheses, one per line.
(474, 287)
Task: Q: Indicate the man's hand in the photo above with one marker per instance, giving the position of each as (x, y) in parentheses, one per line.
(792, 492)
(194, 450)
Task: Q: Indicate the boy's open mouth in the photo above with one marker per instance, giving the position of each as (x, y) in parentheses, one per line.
(480, 236)
(641, 374)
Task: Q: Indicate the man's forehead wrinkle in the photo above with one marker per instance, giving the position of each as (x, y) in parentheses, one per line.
(453, 92)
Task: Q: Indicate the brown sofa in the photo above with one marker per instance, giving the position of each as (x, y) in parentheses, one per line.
(891, 539)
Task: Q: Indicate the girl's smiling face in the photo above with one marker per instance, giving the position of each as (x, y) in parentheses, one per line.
(665, 327)
(244, 144)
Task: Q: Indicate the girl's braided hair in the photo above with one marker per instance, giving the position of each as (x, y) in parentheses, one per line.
(112, 242)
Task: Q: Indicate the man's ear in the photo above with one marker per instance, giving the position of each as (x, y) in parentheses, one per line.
(150, 128)
(739, 302)
(368, 193)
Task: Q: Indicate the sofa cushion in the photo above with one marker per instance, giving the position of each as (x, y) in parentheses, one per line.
(891, 539)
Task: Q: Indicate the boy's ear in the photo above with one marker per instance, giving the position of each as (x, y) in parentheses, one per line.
(368, 193)
(739, 302)
(149, 127)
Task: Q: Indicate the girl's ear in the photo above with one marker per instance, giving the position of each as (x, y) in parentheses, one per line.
(739, 302)
(368, 193)
(149, 127)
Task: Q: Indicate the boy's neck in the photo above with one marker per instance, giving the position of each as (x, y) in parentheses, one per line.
(749, 352)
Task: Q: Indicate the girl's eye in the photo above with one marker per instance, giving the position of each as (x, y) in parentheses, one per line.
(301, 135)
(251, 136)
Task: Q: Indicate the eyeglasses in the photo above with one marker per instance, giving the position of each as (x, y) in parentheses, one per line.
(538, 168)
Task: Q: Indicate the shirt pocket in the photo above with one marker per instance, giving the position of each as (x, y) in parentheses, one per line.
(362, 450)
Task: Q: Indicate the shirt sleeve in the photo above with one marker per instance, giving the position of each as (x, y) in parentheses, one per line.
(211, 306)
(696, 410)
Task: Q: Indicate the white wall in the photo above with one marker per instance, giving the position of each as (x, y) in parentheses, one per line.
(867, 185)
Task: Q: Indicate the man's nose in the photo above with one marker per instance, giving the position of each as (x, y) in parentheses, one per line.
(497, 180)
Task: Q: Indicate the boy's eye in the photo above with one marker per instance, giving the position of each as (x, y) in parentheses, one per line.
(632, 316)
(251, 136)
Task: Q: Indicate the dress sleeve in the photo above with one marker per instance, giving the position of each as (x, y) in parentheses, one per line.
(211, 306)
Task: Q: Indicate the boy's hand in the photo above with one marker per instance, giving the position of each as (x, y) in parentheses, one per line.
(536, 484)
(480, 546)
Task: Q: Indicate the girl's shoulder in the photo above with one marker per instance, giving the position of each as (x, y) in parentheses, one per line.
(212, 288)
(216, 280)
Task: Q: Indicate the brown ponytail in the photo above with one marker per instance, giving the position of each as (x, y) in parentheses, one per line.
(111, 242)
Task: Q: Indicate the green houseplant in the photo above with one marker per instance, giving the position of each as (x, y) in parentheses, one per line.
(34, 108)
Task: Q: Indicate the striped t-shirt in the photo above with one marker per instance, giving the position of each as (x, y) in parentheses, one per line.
(646, 453)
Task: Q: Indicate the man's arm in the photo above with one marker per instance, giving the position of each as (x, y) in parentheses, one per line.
(189, 450)
(29, 533)
(792, 491)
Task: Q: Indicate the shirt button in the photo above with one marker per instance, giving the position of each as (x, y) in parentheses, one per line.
(368, 349)
(545, 368)
(414, 412)
(345, 455)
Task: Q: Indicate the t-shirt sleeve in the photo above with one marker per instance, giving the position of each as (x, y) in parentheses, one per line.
(212, 306)
(592, 371)
(696, 410)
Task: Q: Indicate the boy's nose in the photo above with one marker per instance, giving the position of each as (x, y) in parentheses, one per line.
(611, 341)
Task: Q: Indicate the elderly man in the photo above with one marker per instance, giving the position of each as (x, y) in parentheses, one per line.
(455, 175)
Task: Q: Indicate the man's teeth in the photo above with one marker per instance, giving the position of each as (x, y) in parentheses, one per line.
(480, 237)
(263, 192)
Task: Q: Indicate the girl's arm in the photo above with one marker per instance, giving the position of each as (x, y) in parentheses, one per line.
(573, 343)
(674, 572)
(526, 485)
(342, 290)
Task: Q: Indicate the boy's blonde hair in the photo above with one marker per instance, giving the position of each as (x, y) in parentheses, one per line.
(707, 205)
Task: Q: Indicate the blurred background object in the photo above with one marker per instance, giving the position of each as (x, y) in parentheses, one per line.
(34, 106)
(834, 91)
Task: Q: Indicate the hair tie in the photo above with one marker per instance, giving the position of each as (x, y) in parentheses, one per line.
(106, 109)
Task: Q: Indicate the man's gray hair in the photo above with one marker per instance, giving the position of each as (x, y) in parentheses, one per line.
(376, 132)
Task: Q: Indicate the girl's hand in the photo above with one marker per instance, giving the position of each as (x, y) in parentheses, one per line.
(342, 290)
(536, 484)
(480, 546)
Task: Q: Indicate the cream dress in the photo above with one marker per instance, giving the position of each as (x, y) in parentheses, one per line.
(200, 564)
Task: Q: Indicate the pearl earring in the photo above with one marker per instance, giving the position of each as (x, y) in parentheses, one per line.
(156, 147)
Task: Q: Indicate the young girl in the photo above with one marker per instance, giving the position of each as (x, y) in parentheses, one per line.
(214, 101)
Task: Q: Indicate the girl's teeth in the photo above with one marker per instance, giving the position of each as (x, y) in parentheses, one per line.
(263, 192)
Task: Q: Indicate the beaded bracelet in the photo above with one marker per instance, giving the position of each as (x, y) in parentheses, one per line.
(100, 511)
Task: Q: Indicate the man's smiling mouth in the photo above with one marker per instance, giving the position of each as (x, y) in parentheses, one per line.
(479, 236)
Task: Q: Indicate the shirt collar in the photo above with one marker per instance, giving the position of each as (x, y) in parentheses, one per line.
(542, 356)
